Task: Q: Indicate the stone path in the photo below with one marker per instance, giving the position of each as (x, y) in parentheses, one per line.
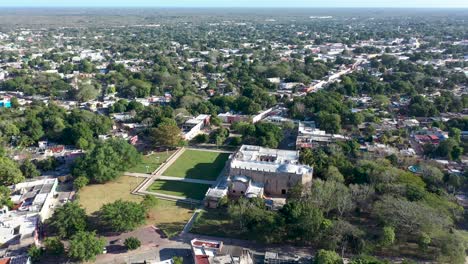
(170, 178)
(135, 174)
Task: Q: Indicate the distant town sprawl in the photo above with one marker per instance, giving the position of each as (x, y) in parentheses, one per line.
(207, 136)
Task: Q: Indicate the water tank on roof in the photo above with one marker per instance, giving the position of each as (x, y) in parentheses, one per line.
(288, 168)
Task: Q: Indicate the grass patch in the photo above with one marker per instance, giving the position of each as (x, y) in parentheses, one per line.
(196, 164)
(216, 222)
(167, 215)
(153, 162)
(195, 191)
(92, 197)
(170, 216)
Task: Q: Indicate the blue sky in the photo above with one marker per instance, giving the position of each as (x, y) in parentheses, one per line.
(236, 3)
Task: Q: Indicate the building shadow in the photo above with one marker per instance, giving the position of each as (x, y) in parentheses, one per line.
(168, 253)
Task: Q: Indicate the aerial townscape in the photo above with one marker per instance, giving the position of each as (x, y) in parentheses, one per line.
(233, 135)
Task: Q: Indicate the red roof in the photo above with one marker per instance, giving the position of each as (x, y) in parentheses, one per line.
(4, 260)
(200, 243)
(202, 259)
(57, 149)
(434, 137)
(422, 137)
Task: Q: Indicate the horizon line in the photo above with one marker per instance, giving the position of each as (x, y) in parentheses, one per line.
(243, 7)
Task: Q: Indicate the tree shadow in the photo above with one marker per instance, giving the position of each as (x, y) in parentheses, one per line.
(170, 230)
(208, 171)
(168, 253)
(195, 191)
(116, 249)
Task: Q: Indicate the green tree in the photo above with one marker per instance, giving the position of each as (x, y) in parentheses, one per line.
(80, 182)
(5, 197)
(432, 175)
(68, 220)
(122, 215)
(106, 161)
(35, 253)
(331, 123)
(14, 102)
(333, 174)
(303, 221)
(9, 172)
(327, 257)
(410, 217)
(85, 246)
(149, 201)
(136, 88)
(85, 93)
(452, 247)
(166, 135)
(424, 240)
(178, 260)
(388, 236)
(455, 133)
(54, 246)
(29, 170)
(132, 243)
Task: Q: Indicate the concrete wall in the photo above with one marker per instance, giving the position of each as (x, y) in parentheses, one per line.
(46, 209)
(276, 183)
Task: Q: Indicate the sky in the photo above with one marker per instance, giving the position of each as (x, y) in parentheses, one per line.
(237, 3)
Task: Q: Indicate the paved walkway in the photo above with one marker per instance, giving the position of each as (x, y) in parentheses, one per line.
(149, 180)
(211, 150)
(169, 197)
(136, 174)
(170, 178)
(142, 189)
(190, 222)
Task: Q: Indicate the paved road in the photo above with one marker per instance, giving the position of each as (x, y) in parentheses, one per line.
(164, 249)
(154, 248)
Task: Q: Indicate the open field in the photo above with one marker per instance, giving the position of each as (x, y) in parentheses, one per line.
(195, 191)
(153, 162)
(216, 222)
(93, 196)
(169, 216)
(166, 215)
(197, 164)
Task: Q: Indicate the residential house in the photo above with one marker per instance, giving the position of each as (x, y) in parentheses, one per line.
(194, 126)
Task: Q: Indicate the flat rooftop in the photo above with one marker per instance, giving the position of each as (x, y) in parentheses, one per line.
(269, 160)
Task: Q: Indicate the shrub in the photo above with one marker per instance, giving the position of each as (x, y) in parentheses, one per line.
(54, 246)
(132, 243)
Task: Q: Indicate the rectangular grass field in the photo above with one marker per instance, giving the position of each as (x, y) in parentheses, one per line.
(166, 215)
(195, 191)
(93, 196)
(196, 164)
(153, 161)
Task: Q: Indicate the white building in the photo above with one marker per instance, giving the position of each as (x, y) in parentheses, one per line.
(309, 136)
(33, 201)
(192, 127)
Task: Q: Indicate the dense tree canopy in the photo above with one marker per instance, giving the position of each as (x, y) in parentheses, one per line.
(106, 161)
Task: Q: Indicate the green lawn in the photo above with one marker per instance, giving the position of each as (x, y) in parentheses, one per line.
(197, 164)
(195, 191)
(216, 222)
(167, 215)
(170, 216)
(93, 196)
(153, 162)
